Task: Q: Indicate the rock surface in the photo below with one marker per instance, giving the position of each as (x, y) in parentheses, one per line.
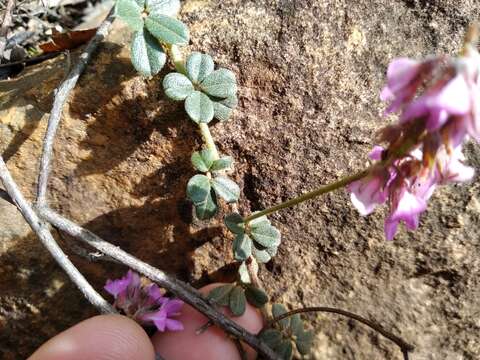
(309, 75)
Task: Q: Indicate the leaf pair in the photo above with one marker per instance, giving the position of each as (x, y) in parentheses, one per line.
(154, 24)
(291, 331)
(208, 93)
(205, 161)
(203, 191)
(258, 238)
(236, 297)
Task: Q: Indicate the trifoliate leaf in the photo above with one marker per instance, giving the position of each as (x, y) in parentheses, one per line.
(164, 7)
(199, 66)
(130, 11)
(177, 86)
(147, 55)
(296, 324)
(221, 295)
(198, 189)
(272, 251)
(220, 83)
(199, 107)
(304, 342)
(223, 108)
(225, 162)
(235, 223)
(278, 310)
(272, 337)
(167, 29)
(259, 221)
(202, 160)
(255, 296)
(208, 208)
(243, 271)
(226, 188)
(266, 235)
(262, 256)
(284, 350)
(242, 247)
(238, 301)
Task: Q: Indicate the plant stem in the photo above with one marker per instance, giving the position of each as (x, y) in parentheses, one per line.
(177, 59)
(402, 344)
(208, 140)
(310, 195)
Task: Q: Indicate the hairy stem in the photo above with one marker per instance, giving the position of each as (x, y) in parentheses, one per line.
(43, 233)
(402, 344)
(310, 195)
(177, 58)
(208, 140)
(61, 95)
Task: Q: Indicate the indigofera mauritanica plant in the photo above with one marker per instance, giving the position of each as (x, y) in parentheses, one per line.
(437, 100)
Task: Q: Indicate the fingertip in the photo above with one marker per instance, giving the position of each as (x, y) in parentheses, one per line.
(112, 337)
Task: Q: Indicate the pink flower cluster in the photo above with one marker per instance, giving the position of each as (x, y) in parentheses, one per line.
(438, 100)
(145, 303)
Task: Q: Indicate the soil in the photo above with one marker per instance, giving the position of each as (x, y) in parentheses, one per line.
(309, 74)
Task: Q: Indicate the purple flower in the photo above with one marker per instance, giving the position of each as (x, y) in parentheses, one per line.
(439, 104)
(145, 302)
(163, 317)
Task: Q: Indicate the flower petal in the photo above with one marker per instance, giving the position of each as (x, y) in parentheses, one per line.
(173, 325)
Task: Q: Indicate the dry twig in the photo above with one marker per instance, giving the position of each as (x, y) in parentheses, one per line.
(41, 229)
(6, 23)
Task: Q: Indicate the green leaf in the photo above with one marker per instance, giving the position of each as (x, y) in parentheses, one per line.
(242, 247)
(198, 189)
(224, 108)
(226, 188)
(207, 209)
(130, 11)
(199, 107)
(278, 310)
(304, 342)
(266, 235)
(235, 223)
(164, 7)
(259, 221)
(177, 86)
(296, 324)
(199, 66)
(285, 350)
(147, 55)
(225, 162)
(243, 271)
(220, 83)
(262, 256)
(221, 295)
(202, 160)
(255, 296)
(238, 302)
(167, 29)
(272, 337)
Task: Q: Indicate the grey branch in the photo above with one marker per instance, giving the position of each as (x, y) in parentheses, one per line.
(42, 231)
(180, 289)
(61, 95)
(6, 23)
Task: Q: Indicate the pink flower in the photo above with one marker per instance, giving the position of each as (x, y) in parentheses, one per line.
(144, 303)
(163, 317)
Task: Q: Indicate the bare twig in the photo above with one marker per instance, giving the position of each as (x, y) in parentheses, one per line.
(402, 344)
(6, 23)
(41, 229)
(61, 95)
(180, 289)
